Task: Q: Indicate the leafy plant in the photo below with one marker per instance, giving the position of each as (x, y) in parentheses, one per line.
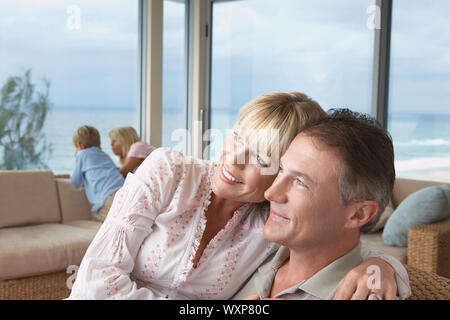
(22, 116)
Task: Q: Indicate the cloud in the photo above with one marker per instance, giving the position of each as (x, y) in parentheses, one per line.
(321, 47)
(95, 65)
(300, 45)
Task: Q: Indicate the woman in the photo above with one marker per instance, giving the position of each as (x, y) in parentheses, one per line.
(125, 143)
(183, 228)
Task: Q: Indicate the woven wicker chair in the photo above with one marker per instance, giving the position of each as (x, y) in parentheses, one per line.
(427, 285)
(429, 248)
(424, 286)
(429, 244)
(46, 287)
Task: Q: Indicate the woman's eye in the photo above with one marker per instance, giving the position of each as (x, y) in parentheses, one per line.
(281, 170)
(236, 136)
(261, 162)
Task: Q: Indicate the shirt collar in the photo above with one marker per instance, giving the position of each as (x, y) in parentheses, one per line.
(324, 283)
(266, 273)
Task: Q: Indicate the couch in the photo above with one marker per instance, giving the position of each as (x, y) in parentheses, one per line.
(428, 245)
(46, 227)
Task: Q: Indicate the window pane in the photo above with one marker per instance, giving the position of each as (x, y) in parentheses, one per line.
(419, 118)
(323, 48)
(88, 51)
(174, 74)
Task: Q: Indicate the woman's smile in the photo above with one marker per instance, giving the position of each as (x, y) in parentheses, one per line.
(228, 177)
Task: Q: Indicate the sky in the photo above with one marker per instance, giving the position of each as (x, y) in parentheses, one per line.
(325, 49)
(92, 65)
(321, 47)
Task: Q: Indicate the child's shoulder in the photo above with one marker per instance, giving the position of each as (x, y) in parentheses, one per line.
(91, 152)
(87, 151)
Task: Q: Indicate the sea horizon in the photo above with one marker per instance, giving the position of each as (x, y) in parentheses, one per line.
(421, 140)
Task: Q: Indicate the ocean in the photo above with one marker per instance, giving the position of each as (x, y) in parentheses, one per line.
(61, 123)
(421, 141)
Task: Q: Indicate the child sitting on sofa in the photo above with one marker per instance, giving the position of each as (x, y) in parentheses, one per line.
(95, 171)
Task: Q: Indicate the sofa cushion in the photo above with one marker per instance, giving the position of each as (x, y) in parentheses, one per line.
(28, 197)
(373, 241)
(425, 206)
(404, 187)
(41, 249)
(86, 224)
(74, 203)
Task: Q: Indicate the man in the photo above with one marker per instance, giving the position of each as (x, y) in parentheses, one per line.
(334, 179)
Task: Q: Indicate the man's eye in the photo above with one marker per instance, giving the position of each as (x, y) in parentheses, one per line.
(261, 162)
(300, 183)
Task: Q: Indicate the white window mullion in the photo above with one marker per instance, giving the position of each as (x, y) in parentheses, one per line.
(152, 72)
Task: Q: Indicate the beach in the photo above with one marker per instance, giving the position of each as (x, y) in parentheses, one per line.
(433, 174)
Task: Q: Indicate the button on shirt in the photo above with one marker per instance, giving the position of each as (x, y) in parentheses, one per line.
(321, 286)
(97, 173)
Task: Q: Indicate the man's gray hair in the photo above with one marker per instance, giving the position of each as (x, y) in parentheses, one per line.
(367, 152)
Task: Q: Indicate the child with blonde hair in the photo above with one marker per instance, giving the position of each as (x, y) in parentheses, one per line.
(95, 171)
(132, 152)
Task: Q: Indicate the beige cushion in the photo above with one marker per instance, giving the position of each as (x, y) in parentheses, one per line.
(374, 241)
(86, 224)
(28, 197)
(404, 187)
(74, 203)
(42, 249)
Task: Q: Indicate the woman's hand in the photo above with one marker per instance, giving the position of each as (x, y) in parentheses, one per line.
(367, 282)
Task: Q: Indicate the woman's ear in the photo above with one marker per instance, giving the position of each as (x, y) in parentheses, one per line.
(361, 213)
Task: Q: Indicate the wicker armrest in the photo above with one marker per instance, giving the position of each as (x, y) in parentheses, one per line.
(43, 287)
(429, 248)
(427, 285)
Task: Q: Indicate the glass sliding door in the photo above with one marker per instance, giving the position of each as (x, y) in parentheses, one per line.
(175, 55)
(419, 104)
(79, 62)
(323, 48)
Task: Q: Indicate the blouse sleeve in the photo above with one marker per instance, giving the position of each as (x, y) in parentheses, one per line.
(140, 150)
(401, 275)
(105, 270)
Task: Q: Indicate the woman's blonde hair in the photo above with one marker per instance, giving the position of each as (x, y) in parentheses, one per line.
(125, 136)
(87, 136)
(278, 116)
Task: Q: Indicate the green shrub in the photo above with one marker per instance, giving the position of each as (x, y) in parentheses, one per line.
(22, 116)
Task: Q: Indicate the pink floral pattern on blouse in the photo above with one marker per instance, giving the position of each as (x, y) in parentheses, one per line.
(145, 247)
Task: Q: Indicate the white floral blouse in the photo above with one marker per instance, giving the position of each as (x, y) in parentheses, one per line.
(146, 246)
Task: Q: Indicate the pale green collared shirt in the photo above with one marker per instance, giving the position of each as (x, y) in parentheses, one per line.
(321, 286)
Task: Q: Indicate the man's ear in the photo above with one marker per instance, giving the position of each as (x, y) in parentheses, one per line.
(361, 213)
(80, 146)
